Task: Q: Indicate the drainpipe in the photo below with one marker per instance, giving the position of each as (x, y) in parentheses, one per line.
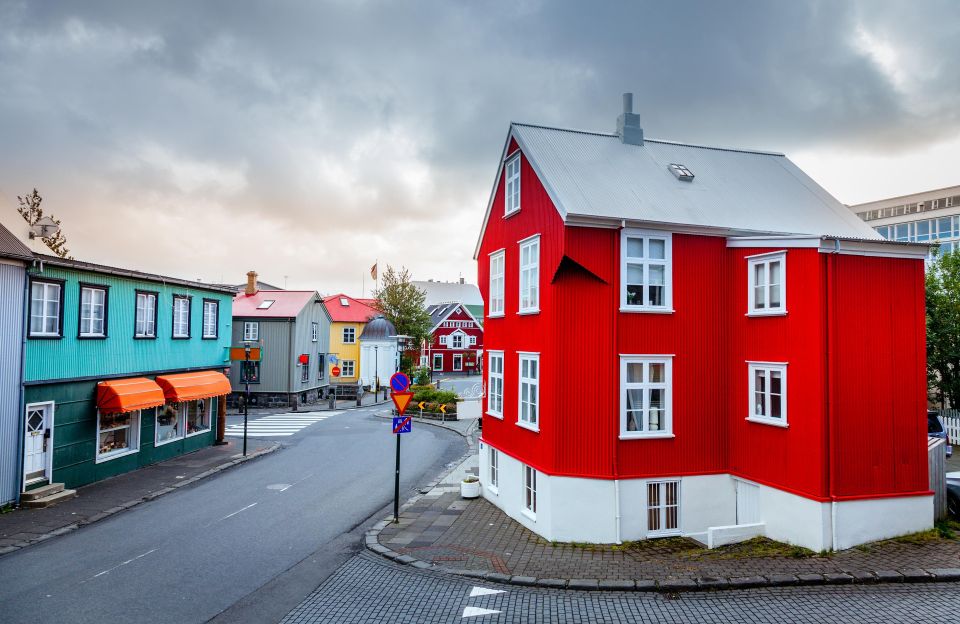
(21, 391)
(616, 443)
(831, 391)
(291, 372)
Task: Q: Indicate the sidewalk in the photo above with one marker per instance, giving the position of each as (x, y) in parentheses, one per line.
(23, 527)
(441, 531)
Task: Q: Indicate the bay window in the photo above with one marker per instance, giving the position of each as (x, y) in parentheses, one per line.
(646, 271)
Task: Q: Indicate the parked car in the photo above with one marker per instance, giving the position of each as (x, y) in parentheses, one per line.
(935, 429)
(953, 495)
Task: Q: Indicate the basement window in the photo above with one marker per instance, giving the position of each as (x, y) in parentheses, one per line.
(681, 172)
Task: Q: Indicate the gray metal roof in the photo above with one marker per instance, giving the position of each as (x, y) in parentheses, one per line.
(445, 292)
(379, 328)
(595, 175)
(11, 247)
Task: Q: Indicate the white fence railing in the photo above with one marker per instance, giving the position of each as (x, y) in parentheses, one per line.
(951, 422)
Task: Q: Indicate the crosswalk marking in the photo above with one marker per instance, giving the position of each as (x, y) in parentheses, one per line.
(278, 425)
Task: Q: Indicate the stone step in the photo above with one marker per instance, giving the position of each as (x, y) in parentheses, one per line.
(40, 492)
(47, 501)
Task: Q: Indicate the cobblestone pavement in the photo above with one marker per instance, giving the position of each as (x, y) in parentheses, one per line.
(369, 589)
(96, 501)
(454, 533)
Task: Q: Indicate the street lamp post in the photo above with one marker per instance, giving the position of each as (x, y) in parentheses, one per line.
(246, 393)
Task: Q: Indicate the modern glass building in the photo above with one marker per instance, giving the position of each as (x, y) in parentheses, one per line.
(927, 217)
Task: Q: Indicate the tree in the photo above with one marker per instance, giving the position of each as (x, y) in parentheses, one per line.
(943, 327)
(31, 212)
(403, 304)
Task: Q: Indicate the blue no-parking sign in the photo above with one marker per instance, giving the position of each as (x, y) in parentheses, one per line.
(401, 424)
(399, 382)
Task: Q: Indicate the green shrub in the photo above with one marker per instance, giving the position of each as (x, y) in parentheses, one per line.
(421, 376)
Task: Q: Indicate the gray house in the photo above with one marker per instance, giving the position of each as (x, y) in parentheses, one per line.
(292, 327)
(14, 256)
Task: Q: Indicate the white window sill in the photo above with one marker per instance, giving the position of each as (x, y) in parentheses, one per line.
(109, 456)
(39, 335)
(532, 427)
(93, 336)
(767, 421)
(647, 310)
(771, 313)
(493, 490)
(497, 416)
(659, 435)
(665, 533)
(530, 311)
(495, 315)
(529, 514)
(196, 433)
(507, 215)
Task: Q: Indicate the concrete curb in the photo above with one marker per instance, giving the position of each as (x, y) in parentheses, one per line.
(670, 585)
(136, 501)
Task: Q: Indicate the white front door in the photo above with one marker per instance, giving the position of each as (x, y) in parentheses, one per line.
(748, 503)
(37, 446)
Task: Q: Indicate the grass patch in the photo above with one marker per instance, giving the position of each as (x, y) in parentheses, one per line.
(948, 529)
(759, 547)
(5, 509)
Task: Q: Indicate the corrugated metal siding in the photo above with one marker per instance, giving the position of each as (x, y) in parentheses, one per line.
(11, 347)
(514, 333)
(303, 343)
(120, 353)
(275, 356)
(879, 376)
(794, 458)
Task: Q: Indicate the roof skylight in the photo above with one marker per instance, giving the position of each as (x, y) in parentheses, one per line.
(265, 305)
(344, 302)
(681, 172)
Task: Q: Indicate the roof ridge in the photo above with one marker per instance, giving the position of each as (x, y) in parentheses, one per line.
(742, 150)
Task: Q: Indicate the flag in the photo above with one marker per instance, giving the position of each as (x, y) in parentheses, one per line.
(373, 271)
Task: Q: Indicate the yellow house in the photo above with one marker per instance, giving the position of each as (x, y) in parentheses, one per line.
(348, 317)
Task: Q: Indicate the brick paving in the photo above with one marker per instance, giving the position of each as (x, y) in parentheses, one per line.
(23, 527)
(368, 589)
(453, 533)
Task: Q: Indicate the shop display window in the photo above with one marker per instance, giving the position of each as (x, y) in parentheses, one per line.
(168, 423)
(117, 434)
(198, 415)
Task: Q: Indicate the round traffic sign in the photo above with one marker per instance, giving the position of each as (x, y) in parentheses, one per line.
(335, 371)
(399, 382)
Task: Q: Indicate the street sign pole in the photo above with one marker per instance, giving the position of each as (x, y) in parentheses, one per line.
(246, 397)
(400, 384)
(396, 485)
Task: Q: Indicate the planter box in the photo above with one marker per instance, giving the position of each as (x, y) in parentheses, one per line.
(470, 489)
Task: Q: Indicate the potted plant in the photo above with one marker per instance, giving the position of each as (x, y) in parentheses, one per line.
(470, 487)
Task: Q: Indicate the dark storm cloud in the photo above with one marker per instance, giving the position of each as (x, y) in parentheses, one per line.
(321, 136)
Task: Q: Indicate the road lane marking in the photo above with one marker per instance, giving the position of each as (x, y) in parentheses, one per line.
(238, 511)
(483, 591)
(475, 611)
(107, 571)
(277, 425)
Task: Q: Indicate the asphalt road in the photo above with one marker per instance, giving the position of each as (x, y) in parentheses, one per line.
(257, 538)
(371, 589)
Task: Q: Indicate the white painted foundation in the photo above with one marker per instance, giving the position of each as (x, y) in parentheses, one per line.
(573, 509)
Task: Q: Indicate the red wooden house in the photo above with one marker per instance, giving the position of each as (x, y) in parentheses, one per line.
(456, 340)
(700, 341)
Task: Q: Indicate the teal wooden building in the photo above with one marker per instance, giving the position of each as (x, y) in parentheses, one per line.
(122, 369)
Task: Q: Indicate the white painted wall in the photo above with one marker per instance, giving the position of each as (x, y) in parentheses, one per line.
(795, 520)
(881, 518)
(384, 361)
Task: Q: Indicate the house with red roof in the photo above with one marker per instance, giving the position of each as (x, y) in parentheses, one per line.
(676, 345)
(455, 345)
(292, 328)
(348, 318)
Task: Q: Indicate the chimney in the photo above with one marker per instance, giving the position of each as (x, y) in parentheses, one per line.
(461, 280)
(628, 123)
(251, 283)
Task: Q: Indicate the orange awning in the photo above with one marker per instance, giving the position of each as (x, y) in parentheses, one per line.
(128, 395)
(193, 386)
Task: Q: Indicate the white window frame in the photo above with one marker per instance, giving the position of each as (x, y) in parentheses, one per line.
(661, 508)
(767, 367)
(251, 331)
(353, 368)
(457, 362)
(47, 288)
(352, 331)
(181, 305)
(314, 331)
(472, 340)
(498, 266)
(666, 261)
(528, 492)
(181, 423)
(211, 408)
(134, 437)
(532, 424)
(495, 384)
(646, 386)
(305, 370)
(493, 455)
(145, 316)
(530, 276)
(511, 185)
(211, 315)
(456, 340)
(436, 357)
(424, 361)
(89, 321)
(765, 260)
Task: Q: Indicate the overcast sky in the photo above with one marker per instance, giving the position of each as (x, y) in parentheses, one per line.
(307, 140)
